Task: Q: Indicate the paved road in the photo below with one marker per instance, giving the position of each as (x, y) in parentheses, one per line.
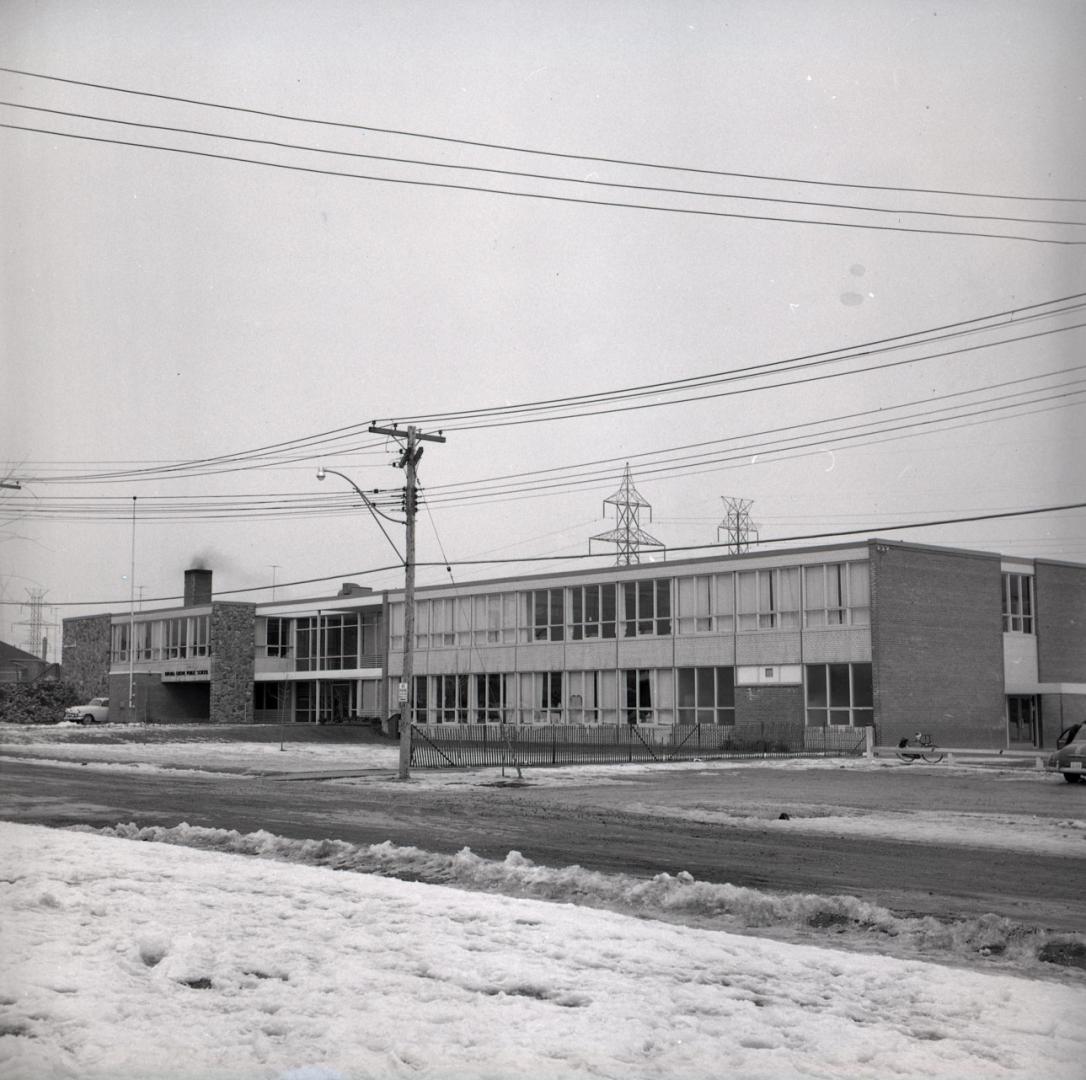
(593, 826)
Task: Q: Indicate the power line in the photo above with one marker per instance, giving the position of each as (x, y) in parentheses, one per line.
(206, 466)
(946, 332)
(926, 403)
(446, 563)
(527, 150)
(564, 479)
(568, 199)
(816, 444)
(521, 174)
(768, 386)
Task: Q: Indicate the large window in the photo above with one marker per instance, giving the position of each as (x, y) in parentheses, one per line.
(638, 696)
(494, 618)
(768, 599)
(491, 698)
(541, 697)
(646, 607)
(200, 635)
(706, 695)
(277, 637)
(1018, 603)
(546, 615)
(450, 704)
(270, 696)
(836, 594)
(339, 642)
(549, 696)
(584, 697)
(839, 695)
(369, 640)
(119, 643)
(705, 603)
(592, 612)
(441, 624)
(306, 638)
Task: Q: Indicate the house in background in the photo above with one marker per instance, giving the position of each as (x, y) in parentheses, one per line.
(19, 666)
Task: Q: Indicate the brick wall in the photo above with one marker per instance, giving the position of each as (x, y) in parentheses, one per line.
(937, 645)
(1061, 621)
(86, 642)
(233, 651)
(769, 710)
(1059, 711)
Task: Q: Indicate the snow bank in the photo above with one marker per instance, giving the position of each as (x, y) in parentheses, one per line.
(148, 961)
(991, 940)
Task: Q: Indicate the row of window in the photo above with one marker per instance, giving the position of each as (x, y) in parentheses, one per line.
(836, 695)
(318, 701)
(161, 639)
(781, 598)
(335, 642)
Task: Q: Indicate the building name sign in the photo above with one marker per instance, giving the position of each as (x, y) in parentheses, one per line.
(195, 675)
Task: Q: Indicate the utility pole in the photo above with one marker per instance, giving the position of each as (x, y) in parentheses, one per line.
(409, 462)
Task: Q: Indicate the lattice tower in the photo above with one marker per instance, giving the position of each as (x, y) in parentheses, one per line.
(628, 536)
(741, 532)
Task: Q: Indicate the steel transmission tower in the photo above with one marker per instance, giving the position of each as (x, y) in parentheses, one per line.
(741, 531)
(628, 535)
(35, 641)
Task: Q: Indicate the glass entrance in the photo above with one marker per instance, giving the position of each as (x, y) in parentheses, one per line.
(1023, 720)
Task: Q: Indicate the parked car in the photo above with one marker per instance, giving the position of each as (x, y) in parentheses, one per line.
(96, 711)
(1070, 756)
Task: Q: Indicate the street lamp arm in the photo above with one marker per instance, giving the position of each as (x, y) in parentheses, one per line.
(322, 472)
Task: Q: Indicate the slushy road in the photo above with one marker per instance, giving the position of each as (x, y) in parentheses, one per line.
(613, 828)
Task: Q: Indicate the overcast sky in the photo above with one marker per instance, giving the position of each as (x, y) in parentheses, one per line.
(160, 307)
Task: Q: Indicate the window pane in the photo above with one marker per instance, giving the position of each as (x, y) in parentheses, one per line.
(839, 692)
(816, 687)
(705, 686)
(686, 687)
(814, 582)
(725, 687)
(862, 693)
(859, 585)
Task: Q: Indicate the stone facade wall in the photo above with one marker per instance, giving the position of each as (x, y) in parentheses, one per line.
(233, 652)
(86, 642)
(937, 645)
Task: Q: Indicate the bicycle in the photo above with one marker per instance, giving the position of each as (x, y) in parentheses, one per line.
(921, 746)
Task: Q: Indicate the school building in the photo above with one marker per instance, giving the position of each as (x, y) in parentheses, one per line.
(978, 649)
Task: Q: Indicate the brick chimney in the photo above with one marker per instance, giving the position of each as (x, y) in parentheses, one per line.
(197, 587)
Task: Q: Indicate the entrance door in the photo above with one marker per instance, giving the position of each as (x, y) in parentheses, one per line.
(1023, 720)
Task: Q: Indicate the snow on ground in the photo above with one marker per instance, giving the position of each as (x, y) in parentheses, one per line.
(147, 960)
(53, 743)
(1008, 832)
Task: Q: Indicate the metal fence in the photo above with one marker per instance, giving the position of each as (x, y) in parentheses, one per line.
(461, 746)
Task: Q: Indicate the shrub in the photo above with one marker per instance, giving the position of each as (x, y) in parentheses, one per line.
(37, 702)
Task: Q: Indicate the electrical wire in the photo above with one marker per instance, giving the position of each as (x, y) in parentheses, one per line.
(876, 530)
(566, 199)
(775, 443)
(658, 189)
(203, 103)
(210, 466)
(926, 403)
